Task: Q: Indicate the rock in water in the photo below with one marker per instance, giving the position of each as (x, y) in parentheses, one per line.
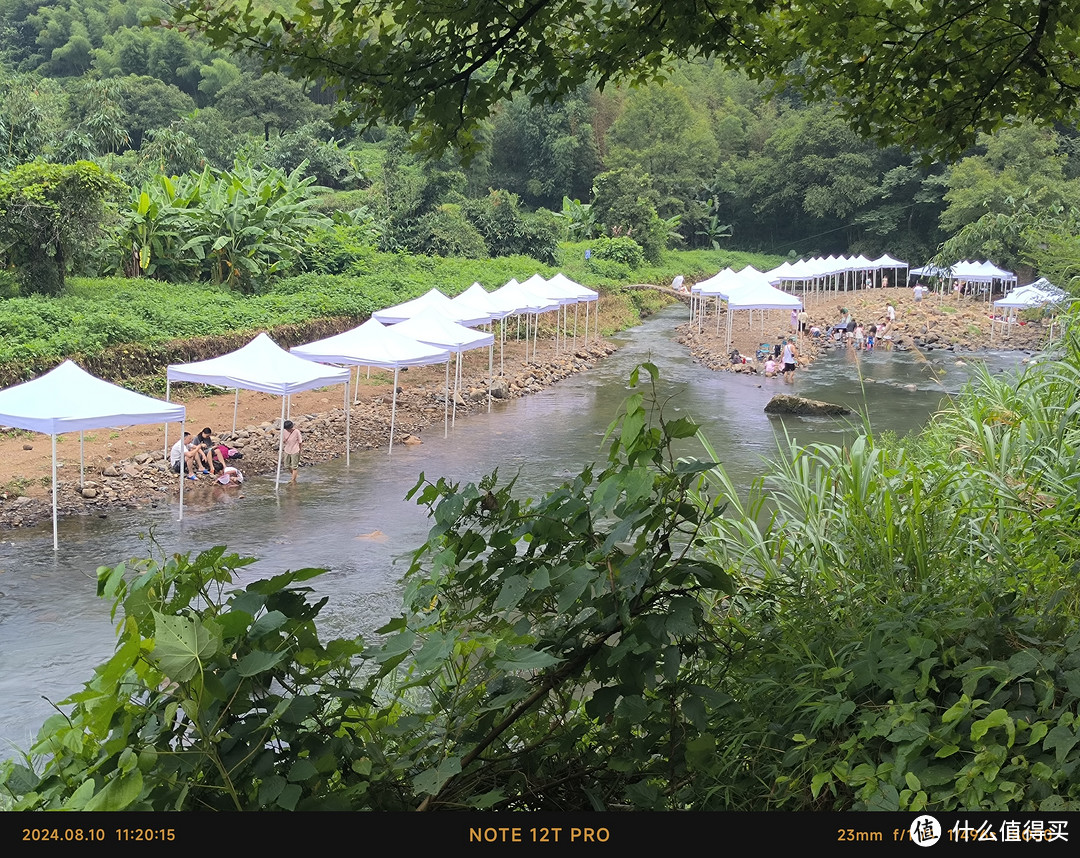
(785, 404)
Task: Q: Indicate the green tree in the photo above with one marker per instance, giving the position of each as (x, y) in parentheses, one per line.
(544, 152)
(50, 215)
(266, 102)
(1021, 172)
(660, 134)
(929, 74)
(624, 201)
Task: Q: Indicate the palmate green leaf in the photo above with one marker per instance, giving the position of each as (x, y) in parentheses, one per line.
(431, 781)
(511, 659)
(182, 644)
(118, 793)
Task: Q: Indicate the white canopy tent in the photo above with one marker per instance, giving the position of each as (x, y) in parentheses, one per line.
(983, 273)
(519, 301)
(564, 290)
(835, 272)
(69, 399)
(432, 328)
(584, 295)
(264, 366)
(477, 296)
(372, 344)
(752, 291)
(459, 312)
(1041, 293)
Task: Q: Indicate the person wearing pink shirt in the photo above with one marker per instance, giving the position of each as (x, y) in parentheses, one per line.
(292, 444)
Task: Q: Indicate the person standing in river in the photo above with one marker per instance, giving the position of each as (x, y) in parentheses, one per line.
(292, 444)
(789, 358)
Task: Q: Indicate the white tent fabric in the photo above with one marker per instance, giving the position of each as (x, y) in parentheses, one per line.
(69, 399)
(477, 296)
(434, 329)
(519, 301)
(265, 366)
(260, 365)
(559, 284)
(433, 299)
(1041, 293)
(372, 344)
(752, 291)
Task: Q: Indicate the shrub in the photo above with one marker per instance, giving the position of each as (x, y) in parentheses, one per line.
(621, 249)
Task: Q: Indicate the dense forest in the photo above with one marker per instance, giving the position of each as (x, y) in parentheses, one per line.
(158, 155)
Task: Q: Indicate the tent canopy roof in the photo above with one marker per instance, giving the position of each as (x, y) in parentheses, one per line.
(69, 399)
(372, 344)
(434, 329)
(260, 365)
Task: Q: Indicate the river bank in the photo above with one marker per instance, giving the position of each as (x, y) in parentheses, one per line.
(956, 325)
(126, 467)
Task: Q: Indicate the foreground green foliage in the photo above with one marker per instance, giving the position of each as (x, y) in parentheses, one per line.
(579, 618)
(890, 625)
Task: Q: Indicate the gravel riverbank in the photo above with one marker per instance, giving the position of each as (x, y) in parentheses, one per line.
(956, 325)
(127, 467)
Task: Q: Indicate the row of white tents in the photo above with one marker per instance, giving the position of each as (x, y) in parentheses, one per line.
(426, 331)
(748, 289)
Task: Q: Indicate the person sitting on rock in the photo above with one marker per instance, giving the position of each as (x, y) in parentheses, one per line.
(210, 457)
(770, 368)
(184, 448)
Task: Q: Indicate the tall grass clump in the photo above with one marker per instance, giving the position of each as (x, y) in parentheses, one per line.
(907, 634)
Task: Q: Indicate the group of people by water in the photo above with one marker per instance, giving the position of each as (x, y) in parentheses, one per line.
(784, 358)
(201, 455)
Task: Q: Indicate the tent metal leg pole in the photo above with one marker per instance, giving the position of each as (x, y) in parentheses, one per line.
(280, 444)
(168, 383)
(457, 386)
(55, 537)
(235, 406)
(446, 402)
(183, 467)
(576, 307)
(393, 411)
(348, 423)
(82, 470)
(491, 371)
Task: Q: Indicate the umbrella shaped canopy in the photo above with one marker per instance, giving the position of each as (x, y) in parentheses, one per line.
(431, 327)
(434, 299)
(265, 366)
(69, 399)
(371, 344)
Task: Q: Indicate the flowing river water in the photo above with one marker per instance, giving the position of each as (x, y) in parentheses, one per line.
(355, 521)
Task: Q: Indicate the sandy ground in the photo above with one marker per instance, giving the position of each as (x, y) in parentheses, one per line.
(958, 324)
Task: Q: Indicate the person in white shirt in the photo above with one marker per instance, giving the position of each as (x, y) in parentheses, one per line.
(184, 448)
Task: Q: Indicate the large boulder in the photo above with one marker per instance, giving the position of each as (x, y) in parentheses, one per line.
(783, 403)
